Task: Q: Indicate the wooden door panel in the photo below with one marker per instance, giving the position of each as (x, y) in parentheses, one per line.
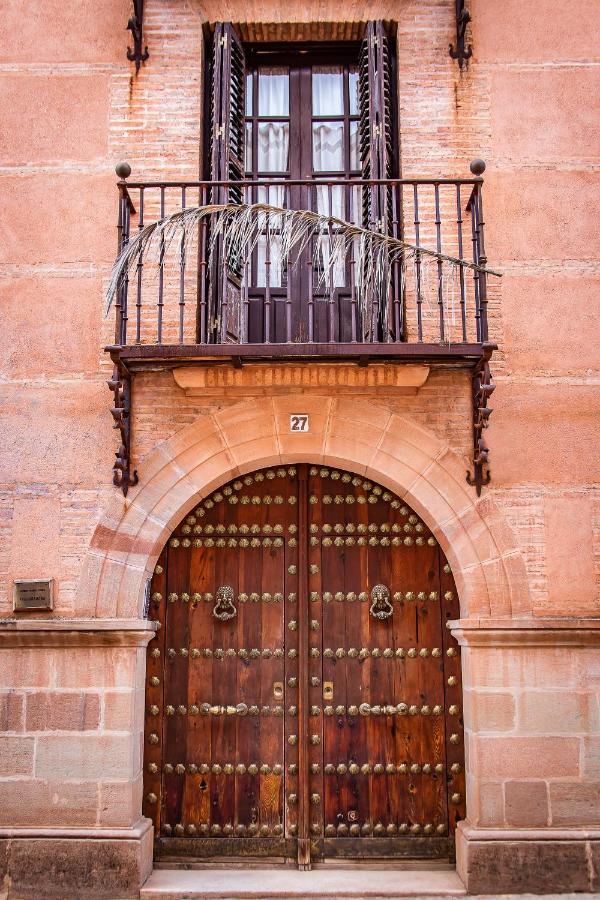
(304, 716)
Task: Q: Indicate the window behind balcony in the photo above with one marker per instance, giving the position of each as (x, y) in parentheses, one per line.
(318, 114)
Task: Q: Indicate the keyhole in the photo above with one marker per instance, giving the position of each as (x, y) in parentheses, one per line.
(203, 785)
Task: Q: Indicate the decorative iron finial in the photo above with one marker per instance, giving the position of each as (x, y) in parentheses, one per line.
(460, 52)
(136, 26)
(477, 167)
(123, 170)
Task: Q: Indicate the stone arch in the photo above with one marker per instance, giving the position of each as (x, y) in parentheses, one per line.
(353, 434)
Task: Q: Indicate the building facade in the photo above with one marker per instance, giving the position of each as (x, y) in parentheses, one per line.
(281, 592)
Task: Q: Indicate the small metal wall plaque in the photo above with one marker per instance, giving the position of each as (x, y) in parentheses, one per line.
(32, 595)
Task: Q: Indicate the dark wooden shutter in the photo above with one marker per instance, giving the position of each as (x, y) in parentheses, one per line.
(376, 149)
(227, 164)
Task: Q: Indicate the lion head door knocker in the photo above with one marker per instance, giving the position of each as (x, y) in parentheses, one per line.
(381, 606)
(224, 608)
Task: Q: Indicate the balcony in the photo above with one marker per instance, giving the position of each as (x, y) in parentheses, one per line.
(430, 304)
(272, 270)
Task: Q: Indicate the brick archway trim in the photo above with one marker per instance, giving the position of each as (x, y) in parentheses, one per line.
(354, 434)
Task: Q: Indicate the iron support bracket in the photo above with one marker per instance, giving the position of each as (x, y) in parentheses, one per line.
(120, 385)
(463, 17)
(483, 388)
(136, 26)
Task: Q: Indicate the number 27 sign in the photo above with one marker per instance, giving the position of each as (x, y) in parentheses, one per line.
(299, 422)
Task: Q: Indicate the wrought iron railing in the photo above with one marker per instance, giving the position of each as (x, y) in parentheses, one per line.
(435, 293)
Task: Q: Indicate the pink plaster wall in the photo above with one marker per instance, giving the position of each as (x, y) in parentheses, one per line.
(527, 103)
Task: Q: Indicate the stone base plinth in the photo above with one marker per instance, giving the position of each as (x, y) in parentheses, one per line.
(83, 863)
(514, 861)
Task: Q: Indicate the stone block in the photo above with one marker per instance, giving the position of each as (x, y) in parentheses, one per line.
(35, 544)
(54, 431)
(50, 868)
(485, 802)
(96, 667)
(539, 114)
(556, 334)
(531, 216)
(65, 136)
(120, 803)
(25, 667)
(575, 804)
(35, 344)
(526, 803)
(545, 424)
(489, 711)
(526, 757)
(591, 757)
(118, 710)
(556, 32)
(46, 34)
(12, 706)
(16, 755)
(530, 667)
(557, 712)
(95, 758)
(62, 712)
(39, 803)
(85, 208)
(520, 867)
(572, 588)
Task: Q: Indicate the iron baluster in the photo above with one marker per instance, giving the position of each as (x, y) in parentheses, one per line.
(182, 253)
(140, 267)
(440, 270)
(418, 262)
(161, 271)
(463, 298)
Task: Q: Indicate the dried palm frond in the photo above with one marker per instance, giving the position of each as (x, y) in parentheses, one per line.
(239, 226)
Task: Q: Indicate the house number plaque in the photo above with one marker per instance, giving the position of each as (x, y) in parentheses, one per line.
(32, 594)
(299, 422)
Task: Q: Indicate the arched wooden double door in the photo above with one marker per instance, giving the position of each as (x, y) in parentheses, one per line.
(303, 695)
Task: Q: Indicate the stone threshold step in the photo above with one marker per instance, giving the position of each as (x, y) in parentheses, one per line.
(352, 883)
